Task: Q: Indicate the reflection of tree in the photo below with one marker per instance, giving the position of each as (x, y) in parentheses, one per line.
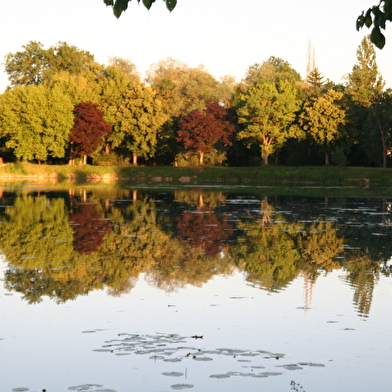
(88, 226)
(202, 228)
(200, 198)
(267, 250)
(35, 233)
(62, 283)
(363, 274)
(37, 240)
(186, 265)
(273, 251)
(319, 245)
(48, 256)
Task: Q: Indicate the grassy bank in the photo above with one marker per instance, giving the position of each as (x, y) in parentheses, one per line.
(267, 180)
(265, 175)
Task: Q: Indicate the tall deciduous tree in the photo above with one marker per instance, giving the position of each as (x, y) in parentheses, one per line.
(126, 66)
(195, 86)
(275, 69)
(36, 122)
(322, 118)
(34, 64)
(65, 57)
(201, 131)
(27, 67)
(268, 113)
(88, 131)
(139, 118)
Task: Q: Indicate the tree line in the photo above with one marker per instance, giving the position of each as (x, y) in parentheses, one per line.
(63, 107)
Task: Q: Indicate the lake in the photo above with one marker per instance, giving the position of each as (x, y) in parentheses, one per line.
(122, 289)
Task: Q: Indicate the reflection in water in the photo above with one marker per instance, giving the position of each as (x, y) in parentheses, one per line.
(362, 276)
(88, 227)
(63, 245)
(202, 228)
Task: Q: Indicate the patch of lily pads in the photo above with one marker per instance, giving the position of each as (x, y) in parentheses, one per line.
(175, 348)
(90, 387)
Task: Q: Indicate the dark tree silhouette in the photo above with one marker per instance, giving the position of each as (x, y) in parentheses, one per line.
(200, 131)
(89, 129)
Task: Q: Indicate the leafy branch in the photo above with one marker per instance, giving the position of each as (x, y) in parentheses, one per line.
(121, 5)
(376, 16)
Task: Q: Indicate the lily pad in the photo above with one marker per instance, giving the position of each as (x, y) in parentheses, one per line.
(182, 386)
(202, 359)
(220, 375)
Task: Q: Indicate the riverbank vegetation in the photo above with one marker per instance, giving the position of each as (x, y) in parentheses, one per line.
(62, 107)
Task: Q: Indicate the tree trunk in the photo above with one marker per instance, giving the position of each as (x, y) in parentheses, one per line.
(107, 148)
(265, 157)
(84, 159)
(201, 158)
(134, 159)
(382, 135)
(326, 159)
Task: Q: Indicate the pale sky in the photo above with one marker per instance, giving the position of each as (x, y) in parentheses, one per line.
(226, 36)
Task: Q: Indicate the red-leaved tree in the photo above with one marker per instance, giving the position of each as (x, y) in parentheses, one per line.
(201, 131)
(88, 131)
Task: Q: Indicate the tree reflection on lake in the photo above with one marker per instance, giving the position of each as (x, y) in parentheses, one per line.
(66, 244)
(164, 290)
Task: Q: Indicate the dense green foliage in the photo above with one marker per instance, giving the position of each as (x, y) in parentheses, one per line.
(35, 122)
(275, 116)
(139, 118)
(268, 112)
(322, 118)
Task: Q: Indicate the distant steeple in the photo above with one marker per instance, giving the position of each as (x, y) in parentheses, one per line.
(310, 61)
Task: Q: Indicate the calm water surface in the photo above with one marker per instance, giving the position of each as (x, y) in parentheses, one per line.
(124, 290)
